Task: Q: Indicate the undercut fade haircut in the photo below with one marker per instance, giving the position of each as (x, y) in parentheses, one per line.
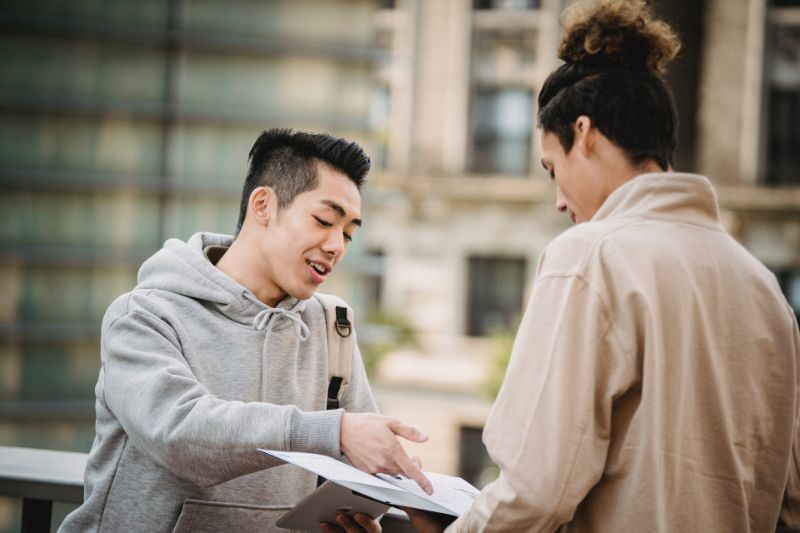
(615, 53)
(286, 161)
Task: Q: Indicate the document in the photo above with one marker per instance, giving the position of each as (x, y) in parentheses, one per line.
(451, 495)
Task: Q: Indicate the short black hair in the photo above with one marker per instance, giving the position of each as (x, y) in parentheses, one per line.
(286, 161)
(615, 53)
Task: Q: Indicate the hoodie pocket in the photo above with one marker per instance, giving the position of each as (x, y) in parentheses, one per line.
(200, 516)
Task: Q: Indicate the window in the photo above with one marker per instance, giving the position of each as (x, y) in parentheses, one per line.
(379, 123)
(372, 276)
(501, 130)
(783, 86)
(495, 294)
(789, 281)
(474, 464)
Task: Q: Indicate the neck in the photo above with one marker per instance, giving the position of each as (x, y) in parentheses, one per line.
(240, 264)
(628, 172)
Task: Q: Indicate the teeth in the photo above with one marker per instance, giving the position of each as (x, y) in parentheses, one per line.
(319, 268)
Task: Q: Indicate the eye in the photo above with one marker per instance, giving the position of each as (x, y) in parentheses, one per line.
(321, 222)
(347, 237)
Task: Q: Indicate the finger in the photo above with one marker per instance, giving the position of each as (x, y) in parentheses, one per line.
(407, 432)
(411, 471)
(411, 512)
(369, 524)
(417, 461)
(346, 521)
(328, 528)
(422, 521)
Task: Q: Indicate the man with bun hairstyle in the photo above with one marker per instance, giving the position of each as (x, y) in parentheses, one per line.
(653, 384)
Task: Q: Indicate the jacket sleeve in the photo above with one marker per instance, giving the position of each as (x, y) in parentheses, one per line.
(790, 511)
(170, 416)
(549, 429)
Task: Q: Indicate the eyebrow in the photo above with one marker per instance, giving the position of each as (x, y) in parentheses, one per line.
(340, 211)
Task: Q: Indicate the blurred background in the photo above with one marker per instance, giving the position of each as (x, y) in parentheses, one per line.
(126, 122)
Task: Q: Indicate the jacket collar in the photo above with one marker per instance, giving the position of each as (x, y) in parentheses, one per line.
(674, 196)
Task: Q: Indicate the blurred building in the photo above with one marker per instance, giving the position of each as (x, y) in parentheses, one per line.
(123, 123)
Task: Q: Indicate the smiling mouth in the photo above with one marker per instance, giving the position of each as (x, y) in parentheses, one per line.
(319, 268)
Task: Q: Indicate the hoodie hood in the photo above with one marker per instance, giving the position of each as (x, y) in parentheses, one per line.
(183, 268)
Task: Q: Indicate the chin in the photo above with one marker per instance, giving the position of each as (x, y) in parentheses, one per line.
(303, 293)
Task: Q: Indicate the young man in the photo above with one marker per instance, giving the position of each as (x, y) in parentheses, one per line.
(221, 349)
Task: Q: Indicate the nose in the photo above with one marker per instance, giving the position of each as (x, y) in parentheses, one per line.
(561, 201)
(334, 245)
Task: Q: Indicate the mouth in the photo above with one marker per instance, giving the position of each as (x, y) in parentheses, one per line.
(319, 271)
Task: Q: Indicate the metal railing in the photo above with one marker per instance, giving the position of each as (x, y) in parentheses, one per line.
(39, 478)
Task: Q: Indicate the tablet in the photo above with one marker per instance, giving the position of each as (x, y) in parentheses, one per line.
(325, 503)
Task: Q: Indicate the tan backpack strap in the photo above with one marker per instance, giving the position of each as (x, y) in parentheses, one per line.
(341, 344)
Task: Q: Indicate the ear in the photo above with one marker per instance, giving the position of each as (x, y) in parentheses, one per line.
(584, 135)
(262, 205)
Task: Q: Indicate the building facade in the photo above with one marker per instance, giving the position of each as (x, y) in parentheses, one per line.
(124, 123)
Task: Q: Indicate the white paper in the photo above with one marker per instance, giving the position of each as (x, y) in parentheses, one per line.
(329, 468)
(449, 492)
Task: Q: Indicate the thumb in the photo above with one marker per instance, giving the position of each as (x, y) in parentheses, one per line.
(408, 432)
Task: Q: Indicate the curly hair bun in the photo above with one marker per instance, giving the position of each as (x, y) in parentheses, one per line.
(617, 34)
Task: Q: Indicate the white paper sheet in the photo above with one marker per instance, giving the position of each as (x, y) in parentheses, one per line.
(449, 492)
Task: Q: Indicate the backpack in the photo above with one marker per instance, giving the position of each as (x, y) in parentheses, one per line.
(341, 344)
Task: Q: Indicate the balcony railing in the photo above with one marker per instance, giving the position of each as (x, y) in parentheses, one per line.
(39, 478)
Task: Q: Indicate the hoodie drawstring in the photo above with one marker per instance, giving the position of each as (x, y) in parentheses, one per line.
(262, 322)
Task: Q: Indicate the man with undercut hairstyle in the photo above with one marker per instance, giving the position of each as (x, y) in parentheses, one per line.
(221, 349)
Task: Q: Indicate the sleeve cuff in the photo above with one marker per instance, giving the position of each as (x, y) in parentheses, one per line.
(316, 432)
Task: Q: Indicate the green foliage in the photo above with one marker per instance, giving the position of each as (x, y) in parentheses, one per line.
(504, 341)
(382, 333)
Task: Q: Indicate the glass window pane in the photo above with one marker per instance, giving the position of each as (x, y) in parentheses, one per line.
(205, 214)
(495, 294)
(44, 141)
(783, 137)
(276, 87)
(501, 130)
(214, 155)
(70, 294)
(319, 21)
(97, 220)
(69, 68)
(58, 370)
(474, 463)
(139, 13)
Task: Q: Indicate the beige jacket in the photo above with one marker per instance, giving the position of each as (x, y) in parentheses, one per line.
(653, 384)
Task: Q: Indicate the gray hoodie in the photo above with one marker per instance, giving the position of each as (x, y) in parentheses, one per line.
(196, 374)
